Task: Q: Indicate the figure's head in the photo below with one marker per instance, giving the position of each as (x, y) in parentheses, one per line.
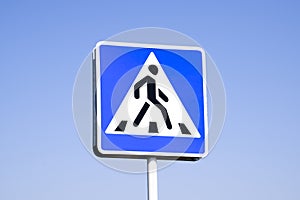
(153, 69)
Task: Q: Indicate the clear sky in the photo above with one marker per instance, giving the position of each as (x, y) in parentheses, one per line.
(255, 45)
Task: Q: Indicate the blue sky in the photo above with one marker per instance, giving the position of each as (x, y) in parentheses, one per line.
(255, 45)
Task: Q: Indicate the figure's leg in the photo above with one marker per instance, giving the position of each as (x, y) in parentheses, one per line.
(141, 114)
(164, 113)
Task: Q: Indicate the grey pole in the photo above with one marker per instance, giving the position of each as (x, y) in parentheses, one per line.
(152, 178)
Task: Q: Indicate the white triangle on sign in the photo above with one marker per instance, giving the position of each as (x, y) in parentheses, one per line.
(152, 113)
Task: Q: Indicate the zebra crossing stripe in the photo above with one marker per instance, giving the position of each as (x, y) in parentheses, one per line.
(121, 126)
(184, 129)
(153, 127)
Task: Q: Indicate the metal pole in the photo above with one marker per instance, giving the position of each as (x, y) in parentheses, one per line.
(152, 178)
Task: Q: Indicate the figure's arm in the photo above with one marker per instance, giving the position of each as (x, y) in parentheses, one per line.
(162, 96)
(137, 86)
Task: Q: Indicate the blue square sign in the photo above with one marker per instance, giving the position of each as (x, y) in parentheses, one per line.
(150, 100)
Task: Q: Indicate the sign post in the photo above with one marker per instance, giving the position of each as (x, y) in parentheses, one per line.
(152, 178)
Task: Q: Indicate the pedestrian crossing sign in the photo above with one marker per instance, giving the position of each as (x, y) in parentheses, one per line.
(150, 100)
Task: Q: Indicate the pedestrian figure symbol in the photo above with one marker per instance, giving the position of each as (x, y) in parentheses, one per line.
(152, 106)
(151, 95)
